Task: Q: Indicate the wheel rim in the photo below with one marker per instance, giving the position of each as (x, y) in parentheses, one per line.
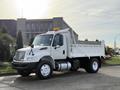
(45, 70)
(95, 65)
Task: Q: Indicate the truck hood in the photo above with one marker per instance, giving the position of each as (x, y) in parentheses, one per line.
(33, 54)
(35, 48)
(37, 51)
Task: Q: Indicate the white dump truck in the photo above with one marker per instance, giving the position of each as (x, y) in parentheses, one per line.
(58, 51)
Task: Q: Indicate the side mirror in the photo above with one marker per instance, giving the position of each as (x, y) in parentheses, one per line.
(32, 46)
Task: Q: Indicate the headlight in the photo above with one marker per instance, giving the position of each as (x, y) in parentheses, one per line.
(19, 55)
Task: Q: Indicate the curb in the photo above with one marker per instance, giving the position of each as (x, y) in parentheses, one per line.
(111, 65)
(114, 65)
(8, 74)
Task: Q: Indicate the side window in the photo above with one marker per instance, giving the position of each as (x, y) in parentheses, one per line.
(58, 40)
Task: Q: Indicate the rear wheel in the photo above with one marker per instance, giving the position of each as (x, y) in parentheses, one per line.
(92, 66)
(44, 70)
(75, 65)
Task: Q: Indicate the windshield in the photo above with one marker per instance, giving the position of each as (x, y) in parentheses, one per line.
(43, 40)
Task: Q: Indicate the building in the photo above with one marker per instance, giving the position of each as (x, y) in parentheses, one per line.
(9, 25)
(31, 27)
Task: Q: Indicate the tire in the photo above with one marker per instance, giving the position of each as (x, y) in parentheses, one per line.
(23, 73)
(44, 70)
(92, 66)
(75, 65)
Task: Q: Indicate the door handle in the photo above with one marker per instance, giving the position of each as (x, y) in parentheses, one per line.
(63, 51)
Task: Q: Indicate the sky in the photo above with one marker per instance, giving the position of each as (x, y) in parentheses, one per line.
(91, 19)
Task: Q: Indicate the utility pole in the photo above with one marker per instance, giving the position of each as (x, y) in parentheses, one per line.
(115, 43)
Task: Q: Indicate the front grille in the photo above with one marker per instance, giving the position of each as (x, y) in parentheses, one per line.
(19, 55)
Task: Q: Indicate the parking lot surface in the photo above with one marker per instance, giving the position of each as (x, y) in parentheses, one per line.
(108, 78)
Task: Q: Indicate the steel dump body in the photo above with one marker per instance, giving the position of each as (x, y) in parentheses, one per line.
(87, 50)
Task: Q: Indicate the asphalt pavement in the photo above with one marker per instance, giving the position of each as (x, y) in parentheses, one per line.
(108, 78)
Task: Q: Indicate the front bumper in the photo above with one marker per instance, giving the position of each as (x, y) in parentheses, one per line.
(24, 66)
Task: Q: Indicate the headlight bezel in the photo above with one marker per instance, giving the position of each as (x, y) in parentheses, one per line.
(19, 55)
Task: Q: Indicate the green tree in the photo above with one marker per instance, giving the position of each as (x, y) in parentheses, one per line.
(1, 51)
(3, 29)
(19, 41)
(109, 51)
(5, 40)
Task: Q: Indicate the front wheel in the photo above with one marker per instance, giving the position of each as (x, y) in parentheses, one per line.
(92, 66)
(44, 70)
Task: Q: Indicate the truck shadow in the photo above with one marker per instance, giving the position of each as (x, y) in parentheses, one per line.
(56, 75)
(68, 74)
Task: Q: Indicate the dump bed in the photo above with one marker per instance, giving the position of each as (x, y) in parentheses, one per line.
(87, 49)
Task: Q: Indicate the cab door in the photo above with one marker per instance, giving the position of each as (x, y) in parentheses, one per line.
(59, 48)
